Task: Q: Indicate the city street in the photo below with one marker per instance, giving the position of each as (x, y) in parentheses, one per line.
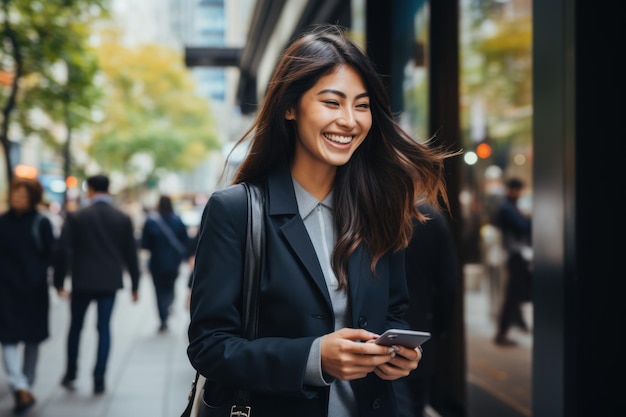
(498, 378)
(148, 373)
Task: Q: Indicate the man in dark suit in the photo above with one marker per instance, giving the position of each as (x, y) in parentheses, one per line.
(96, 244)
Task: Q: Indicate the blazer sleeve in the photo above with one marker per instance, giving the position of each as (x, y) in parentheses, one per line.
(216, 348)
(131, 258)
(147, 240)
(63, 253)
(398, 292)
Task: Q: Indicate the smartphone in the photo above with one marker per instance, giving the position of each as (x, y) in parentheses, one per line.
(406, 338)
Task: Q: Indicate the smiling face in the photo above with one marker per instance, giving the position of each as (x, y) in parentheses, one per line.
(332, 119)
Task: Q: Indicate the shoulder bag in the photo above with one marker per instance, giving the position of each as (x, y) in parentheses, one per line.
(169, 233)
(240, 404)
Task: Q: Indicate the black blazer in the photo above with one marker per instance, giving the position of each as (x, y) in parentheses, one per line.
(295, 306)
(97, 243)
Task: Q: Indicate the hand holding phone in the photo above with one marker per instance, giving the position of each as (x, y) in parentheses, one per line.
(401, 337)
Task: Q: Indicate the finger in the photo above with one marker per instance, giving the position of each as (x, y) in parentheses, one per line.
(361, 335)
(389, 372)
(403, 364)
(412, 354)
(373, 349)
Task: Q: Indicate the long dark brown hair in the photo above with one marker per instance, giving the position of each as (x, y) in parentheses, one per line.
(165, 207)
(376, 192)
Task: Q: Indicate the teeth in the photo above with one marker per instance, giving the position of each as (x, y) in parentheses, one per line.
(338, 139)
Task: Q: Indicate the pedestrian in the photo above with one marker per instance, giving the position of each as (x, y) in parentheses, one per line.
(340, 179)
(164, 235)
(433, 279)
(26, 244)
(96, 245)
(191, 258)
(515, 228)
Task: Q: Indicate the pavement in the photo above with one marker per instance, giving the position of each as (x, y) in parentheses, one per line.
(149, 374)
(499, 379)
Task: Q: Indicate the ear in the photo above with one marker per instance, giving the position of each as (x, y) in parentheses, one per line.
(290, 114)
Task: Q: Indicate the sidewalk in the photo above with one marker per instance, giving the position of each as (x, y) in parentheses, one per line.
(148, 373)
(499, 378)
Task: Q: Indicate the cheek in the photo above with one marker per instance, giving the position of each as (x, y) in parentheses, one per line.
(366, 123)
(312, 121)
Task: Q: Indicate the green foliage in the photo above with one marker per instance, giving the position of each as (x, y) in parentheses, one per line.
(126, 101)
(150, 108)
(497, 67)
(45, 51)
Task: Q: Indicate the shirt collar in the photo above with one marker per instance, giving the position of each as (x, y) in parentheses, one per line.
(105, 198)
(306, 201)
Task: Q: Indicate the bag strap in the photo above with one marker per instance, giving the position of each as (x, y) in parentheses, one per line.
(36, 231)
(167, 231)
(255, 238)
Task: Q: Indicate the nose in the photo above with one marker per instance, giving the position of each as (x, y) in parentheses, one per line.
(347, 119)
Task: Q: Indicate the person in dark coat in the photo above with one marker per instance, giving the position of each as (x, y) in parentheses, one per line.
(97, 243)
(26, 244)
(433, 277)
(165, 235)
(191, 259)
(515, 227)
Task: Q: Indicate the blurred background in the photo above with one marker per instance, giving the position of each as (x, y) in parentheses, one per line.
(156, 92)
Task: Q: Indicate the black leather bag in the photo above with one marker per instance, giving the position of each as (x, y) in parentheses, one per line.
(229, 403)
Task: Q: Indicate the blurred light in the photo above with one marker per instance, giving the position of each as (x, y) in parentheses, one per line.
(470, 158)
(488, 28)
(465, 197)
(6, 78)
(71, 181)
(483, 150)
(493, 180)
(25, 171)
(57, 185)
(519, 159)
(478, 124)
(493, 172)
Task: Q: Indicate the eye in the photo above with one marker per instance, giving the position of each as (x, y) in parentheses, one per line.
(331, 102)
(363, 106)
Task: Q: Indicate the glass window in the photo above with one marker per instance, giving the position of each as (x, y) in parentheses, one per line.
(413, 71)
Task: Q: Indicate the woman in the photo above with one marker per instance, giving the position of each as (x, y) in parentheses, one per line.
(339, 177)
(165, 236)
(26, 242)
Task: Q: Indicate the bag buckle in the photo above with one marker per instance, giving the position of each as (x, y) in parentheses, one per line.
(240, 411)
(192, 391)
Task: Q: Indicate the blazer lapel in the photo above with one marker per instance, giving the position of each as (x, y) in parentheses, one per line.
(282, 202)
(358, 269)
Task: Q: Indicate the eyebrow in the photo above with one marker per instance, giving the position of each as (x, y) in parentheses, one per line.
(341, 93)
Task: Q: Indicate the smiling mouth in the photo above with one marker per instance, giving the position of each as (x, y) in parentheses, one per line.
(338, 139)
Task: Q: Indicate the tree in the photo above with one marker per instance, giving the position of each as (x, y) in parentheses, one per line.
(151, 110)
(498, 69)
(48, 67)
